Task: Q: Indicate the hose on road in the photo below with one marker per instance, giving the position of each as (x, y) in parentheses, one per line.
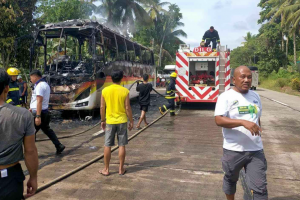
(84, 131)
(64, 176)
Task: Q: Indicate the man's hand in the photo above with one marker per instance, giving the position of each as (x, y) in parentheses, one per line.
(31, 187)
(130, 125)
(252, 127)
(38, 121)
(23, 94)
(30, 110)
(103, 125)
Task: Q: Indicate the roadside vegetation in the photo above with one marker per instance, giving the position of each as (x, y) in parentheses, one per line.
(275, 50)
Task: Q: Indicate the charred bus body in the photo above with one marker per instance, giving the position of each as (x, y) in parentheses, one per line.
(83, 55)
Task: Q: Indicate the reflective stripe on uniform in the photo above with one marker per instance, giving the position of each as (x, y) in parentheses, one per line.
(13, 89)
(18, 105)
(9, 100)
(173, 97)
(172, 111)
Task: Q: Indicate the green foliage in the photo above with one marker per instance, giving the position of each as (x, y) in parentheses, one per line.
(296, 84)
(281, 82)
(62, 10)
(16, 20)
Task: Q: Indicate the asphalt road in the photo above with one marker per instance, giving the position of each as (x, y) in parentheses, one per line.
(176, 158)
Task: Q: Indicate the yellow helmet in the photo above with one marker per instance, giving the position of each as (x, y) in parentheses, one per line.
(174, 75)
(13, 71)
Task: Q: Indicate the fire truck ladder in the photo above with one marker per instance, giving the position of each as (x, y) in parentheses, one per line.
(222, 69)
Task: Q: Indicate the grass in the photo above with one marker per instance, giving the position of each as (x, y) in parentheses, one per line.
(273, 85)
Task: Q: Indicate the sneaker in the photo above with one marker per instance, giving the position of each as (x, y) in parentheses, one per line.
(60, 149)
(160, 110)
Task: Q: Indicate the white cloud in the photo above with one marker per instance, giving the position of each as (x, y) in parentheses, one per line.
(232, 18)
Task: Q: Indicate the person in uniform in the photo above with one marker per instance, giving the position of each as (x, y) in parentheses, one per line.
(13, 96)
(171, 90)
(211, 35)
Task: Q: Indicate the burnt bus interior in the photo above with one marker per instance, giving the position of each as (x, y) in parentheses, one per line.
(78, 51)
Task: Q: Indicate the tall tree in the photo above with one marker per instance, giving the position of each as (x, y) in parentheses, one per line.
(62, 10)
(16, 20)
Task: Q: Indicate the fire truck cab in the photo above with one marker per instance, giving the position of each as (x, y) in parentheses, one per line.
(202, 74)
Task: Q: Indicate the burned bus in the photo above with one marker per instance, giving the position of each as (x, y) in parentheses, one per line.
(78, 58)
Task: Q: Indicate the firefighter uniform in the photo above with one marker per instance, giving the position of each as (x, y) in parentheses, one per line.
(170, 96)
(13, 96)
(211, 37)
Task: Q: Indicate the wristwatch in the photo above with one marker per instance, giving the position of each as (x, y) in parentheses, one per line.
(103, 120)
(38, 116)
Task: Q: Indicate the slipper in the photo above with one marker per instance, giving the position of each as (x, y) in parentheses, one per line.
(123, 173)
(103, 174)
(138, 128)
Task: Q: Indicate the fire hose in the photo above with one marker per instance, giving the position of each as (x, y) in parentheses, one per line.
(64, 176)
(178, 103)
(84, 131)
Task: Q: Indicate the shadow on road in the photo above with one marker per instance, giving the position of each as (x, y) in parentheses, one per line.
(198, 106)
(152, 163)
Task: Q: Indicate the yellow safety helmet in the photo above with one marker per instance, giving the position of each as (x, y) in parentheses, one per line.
(174, 75)
(13, 71)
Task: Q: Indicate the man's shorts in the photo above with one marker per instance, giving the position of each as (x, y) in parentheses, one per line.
(12, 185)
(144, 108)
(116, 129)
(255, 165)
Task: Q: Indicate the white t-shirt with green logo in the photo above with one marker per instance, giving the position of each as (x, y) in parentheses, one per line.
(235, 105)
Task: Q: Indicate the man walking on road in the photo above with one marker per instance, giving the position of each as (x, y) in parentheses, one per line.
(39, 107)
(115, 108)
(144, 98)
(23, 91)
(238, 111)
(16, 128)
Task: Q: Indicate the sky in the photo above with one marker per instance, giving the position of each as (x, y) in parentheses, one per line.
(231, 18)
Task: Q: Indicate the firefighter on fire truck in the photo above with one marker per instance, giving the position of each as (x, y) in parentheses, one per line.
(171, 90)
(211, 35)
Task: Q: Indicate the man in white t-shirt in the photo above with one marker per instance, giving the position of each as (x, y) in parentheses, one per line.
(238, 111)
(39, 107)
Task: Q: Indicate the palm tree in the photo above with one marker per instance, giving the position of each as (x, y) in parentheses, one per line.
(155, 7)
(166, 27)
(293, 21)
(129, 11)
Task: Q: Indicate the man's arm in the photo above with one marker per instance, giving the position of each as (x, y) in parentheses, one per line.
(39, 100)
(204, 37)
(226, 122)
(102, 112)
(32, 163)
(129, 112)
(25, 88)
(218, 38)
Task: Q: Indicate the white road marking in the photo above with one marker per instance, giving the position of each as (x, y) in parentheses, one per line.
(98, 133)
(279, 102)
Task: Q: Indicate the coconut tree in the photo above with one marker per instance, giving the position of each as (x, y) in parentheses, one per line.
(166, 27)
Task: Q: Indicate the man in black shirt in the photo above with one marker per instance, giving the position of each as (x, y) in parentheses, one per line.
(144, 98)
(211, 35)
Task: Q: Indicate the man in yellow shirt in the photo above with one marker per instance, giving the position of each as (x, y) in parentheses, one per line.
(115, 106)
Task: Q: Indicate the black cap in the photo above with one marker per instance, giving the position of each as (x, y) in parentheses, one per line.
(211, 27)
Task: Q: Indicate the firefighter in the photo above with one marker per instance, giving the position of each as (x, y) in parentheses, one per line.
(211, 35)
(171, 90)
(13, 96)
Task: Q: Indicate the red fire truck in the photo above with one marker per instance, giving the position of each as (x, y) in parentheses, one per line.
(202, 74)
